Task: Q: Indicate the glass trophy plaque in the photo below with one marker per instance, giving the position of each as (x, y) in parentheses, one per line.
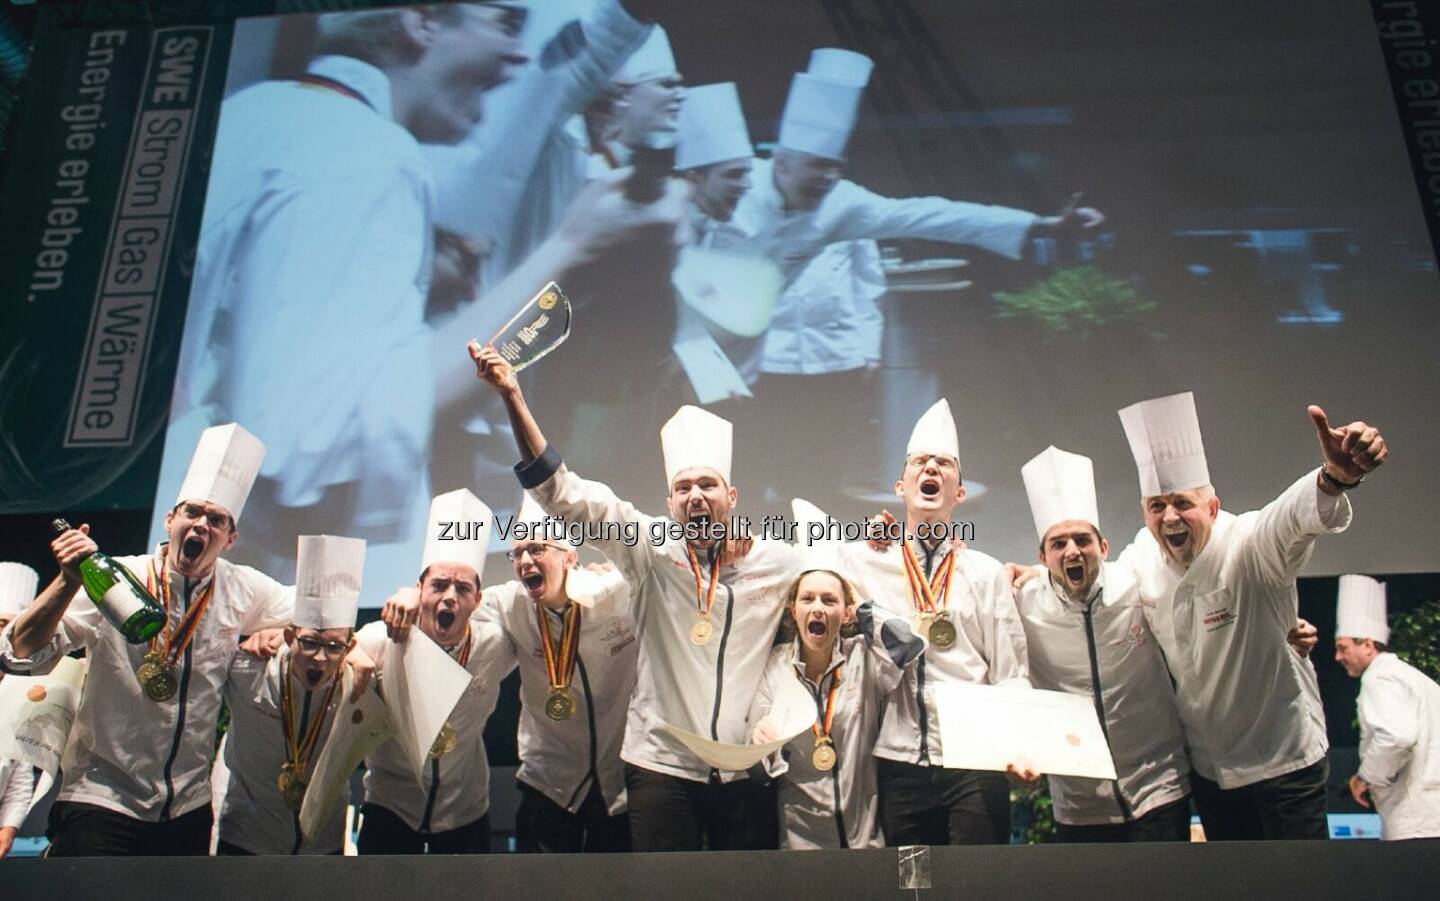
(539, 327)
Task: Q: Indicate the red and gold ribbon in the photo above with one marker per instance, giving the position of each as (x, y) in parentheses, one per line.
(823, 733)
(929, 596)
(703, 606)
(560, 665)
(299, 752)
(177, 640)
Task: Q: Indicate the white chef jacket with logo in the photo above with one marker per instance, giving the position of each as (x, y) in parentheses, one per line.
(1250, 704)
(704, 689)
(827, 319)
(455, 790)
(253, 814)
(989, 645)
(1399, 711)
(838, 809)
(127, 753)
(565, 759)
(1104, 651)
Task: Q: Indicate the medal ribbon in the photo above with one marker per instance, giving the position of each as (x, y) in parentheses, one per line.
(829, 710)
(931, 596)
(703, 608)
(299, 753)
(463, 657)
(178, 640)
(560, 667)
(311, 80)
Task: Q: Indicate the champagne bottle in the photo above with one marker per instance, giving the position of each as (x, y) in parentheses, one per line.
(118, 594)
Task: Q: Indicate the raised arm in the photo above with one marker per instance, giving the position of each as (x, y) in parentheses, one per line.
(47, 630)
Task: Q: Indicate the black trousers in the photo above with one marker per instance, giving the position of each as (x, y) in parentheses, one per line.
(1170, 823)
(383, 832)
(544, 827)
(668, 813)
(1289, 806)
(932, 805)
(84, 830)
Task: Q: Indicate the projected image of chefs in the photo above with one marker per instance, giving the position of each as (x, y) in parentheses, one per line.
(308, 308)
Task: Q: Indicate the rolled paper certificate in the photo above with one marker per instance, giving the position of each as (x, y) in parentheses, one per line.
(539, 327)
(359, 728)
(422, 687)
(36, 713)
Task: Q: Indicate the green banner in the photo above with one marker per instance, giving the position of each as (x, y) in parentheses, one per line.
(103, 189)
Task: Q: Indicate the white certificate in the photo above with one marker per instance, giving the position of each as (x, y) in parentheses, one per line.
(422, 684)
(359, 728)
(791, 713)
(36, 713)
(985, 727)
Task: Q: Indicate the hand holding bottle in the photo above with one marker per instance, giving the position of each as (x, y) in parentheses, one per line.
(69, 548)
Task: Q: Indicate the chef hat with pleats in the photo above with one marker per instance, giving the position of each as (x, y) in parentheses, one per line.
(18, 584)
(1164, 436)
(327, 581)
(223, 468)
(653, 60)
(541, 526)
(844, 66)
(458, 530)
(1360, 609)
(935, 433)
(1061, 487)
(696, 437)
(712, 127)
(823, 553)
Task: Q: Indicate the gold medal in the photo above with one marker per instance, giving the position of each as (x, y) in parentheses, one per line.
(444, 742)
(700, 632)
(292, 785)
(942, 634)
(559, 705)
(823, 757)
(158, 679)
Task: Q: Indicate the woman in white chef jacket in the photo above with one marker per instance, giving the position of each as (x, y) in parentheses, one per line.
(847, 658)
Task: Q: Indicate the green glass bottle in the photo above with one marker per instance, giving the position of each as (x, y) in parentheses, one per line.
(118, 594)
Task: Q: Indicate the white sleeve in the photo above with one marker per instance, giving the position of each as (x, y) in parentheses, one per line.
(1388, 715)
(344, 256)
(1002, 633)
(864, 214)
(272, 605)
(1285, 529)
(79, 628)
(16, 793)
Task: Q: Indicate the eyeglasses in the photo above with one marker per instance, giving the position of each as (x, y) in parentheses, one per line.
(313, 645)
(218, 520)
(536, 552)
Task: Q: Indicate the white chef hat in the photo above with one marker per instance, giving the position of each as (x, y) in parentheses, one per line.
(844, 66)
(18, 584)
(1061, 486)
(819, 116)
(1360, 609)
(535, 517)
(458, 530)
(651, 61)
(712, 127)
(935, 433)
(223, 468)
(1164, 436)
(822, 554)
(327, 581)
(696, 437)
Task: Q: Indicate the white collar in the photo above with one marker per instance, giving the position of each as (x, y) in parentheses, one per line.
(360, 77)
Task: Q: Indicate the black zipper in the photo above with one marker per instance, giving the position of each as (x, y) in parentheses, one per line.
(1098, 697)
(430, 798)
(304, 722)
(594, 774)
(720, 664)
(816, 694)
(182, 693)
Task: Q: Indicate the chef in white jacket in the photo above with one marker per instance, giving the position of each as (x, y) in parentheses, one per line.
(1086, 634)
(706, 617)
(960, 601)
(18, 583)
(848, 656)
(281, 710)
(448, 812)
(577, 671)
(1220, 597)
(138, 779)
(1399, 713)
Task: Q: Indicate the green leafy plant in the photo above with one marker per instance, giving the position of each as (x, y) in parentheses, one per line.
(1034, 813)
(1076, 301)
(1415, 638)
